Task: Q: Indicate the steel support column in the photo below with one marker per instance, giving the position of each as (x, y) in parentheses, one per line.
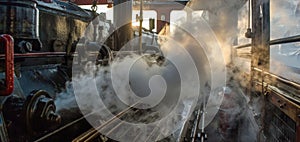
(261, 34)
(260, 50)
(266, 34)
(122, 22)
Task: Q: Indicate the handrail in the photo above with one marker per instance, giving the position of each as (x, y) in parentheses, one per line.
(9, 64)
(284, 80)
(290, 39)
(242, 46)
(44, 55)
(37, 55)
(285, 40)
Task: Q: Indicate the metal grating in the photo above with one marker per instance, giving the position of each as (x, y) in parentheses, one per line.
(279, 127)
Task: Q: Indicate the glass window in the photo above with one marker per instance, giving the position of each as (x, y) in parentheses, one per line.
(285, 19)
(285, 60)
(243, 25)
(242, 60)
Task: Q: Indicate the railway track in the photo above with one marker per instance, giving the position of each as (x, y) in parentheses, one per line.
(114, 124)
(110, 126)
(93, 133)
(115, 127)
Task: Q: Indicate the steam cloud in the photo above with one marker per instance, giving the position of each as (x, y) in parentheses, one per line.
(240, 112)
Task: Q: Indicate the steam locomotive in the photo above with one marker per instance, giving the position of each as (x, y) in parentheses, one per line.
(37, 47)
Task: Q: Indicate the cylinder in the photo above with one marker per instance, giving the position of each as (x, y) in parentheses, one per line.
(20, 19)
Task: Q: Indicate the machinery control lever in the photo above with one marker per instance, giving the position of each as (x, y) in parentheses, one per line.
(8, 44)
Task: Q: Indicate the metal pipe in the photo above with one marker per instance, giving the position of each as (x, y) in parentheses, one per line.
(284, 80)
(285, 40)
(45, 54)
(197, 121)
(249, 13)
(242, 46)
(141, 26)
(290, 39)
(37, 55)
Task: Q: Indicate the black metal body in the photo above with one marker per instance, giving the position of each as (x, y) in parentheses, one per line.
(44, 35)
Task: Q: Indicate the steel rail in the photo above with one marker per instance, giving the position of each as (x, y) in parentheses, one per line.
(94, 132)
(63, 127)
